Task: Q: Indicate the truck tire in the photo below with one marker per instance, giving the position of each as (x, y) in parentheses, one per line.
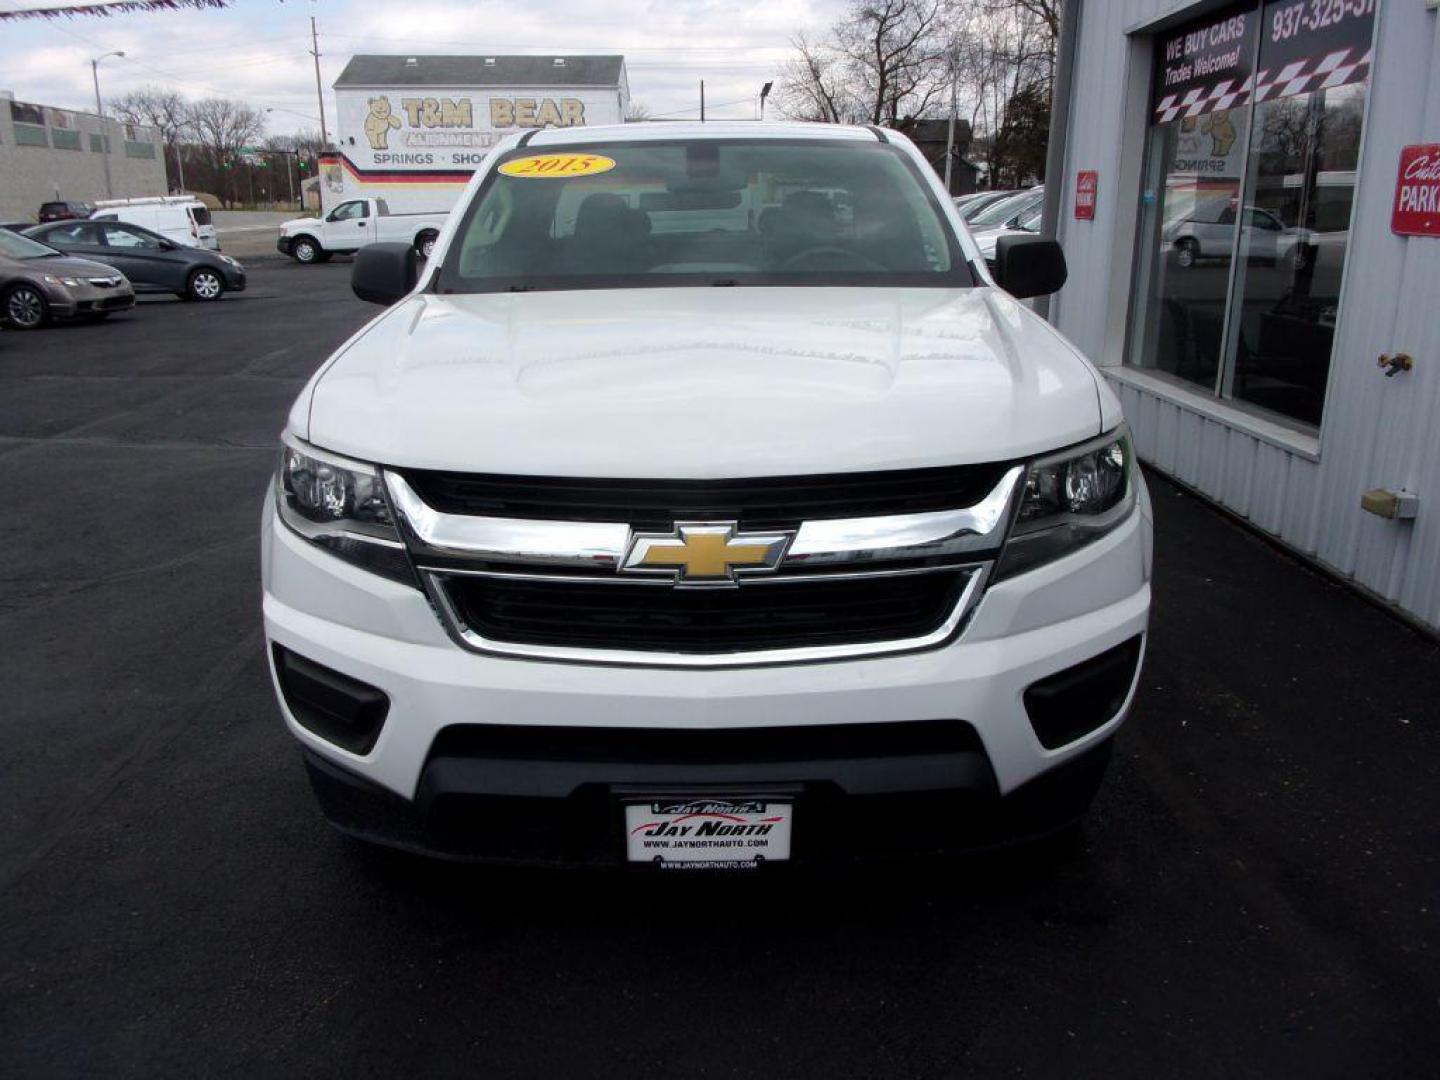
(25, 307)
(425, 243)
(305, 250)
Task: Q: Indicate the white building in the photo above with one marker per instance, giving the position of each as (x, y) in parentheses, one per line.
(411, 129)
(1245, 265)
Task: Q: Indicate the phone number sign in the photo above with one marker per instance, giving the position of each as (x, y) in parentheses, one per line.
(1417, 192)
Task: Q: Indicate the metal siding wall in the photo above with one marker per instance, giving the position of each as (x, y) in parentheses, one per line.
(1377, 432)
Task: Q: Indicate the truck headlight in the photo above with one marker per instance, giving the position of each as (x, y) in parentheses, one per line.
(340, 505)
(1070, 499)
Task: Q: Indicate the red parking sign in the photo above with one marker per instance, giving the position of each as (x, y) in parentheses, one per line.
(1417, 192)
(1087, 186)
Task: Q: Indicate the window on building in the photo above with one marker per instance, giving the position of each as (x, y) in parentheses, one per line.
(1249, 182)
(96, 142)
(135, 149)
(30, 135)
(63, 139)
(22, 113)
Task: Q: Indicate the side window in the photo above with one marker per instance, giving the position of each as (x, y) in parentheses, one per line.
(119, 237)
(349, 211)
(80, 232)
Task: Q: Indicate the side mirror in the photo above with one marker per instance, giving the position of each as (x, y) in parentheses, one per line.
(1027, 266)
(383, 273)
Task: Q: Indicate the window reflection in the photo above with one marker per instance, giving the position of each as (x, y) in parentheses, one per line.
(1192, 188)
(1302, 183)
(1249, 183)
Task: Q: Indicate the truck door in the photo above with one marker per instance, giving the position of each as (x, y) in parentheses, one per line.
(349, 226)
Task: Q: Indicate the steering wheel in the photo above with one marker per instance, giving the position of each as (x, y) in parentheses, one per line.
(809, 255)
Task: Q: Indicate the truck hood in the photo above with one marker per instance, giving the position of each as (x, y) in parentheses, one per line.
(298, 224)
(702, 383)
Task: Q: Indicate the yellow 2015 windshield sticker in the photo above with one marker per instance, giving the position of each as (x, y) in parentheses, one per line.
(545, 166)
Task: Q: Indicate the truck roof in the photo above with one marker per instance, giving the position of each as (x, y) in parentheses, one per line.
(716, 129)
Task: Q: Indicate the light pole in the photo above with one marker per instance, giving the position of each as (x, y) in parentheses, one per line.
(100, 108)
(764, 93)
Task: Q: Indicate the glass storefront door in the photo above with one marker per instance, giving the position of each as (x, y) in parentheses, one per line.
(1247, 194)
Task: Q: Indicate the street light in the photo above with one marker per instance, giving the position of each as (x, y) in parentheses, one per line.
(100, 108)
(764, 93)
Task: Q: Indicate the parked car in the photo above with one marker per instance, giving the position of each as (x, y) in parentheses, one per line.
(38, 284)
(972, 205)
(154, 263)
(1000, 213)
(1026, 223)
(1208, 232)
(63, 211)
(696, 548)
(182, 218)
(354, 224)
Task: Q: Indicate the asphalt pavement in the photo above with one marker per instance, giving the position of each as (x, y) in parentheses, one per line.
(1255, 893)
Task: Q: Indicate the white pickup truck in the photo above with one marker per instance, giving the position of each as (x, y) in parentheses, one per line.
(641, 533)
(352, 225)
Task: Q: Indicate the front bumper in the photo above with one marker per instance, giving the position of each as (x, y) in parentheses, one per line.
(283, 244)
(72, 303)
(385, 635)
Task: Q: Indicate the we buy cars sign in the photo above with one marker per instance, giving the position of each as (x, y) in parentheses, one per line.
(1417, 192)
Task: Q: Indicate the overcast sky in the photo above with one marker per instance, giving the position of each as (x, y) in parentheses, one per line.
(257, 49)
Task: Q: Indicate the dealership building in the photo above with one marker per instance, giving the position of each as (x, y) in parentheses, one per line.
(1251, 215)
(48, 154)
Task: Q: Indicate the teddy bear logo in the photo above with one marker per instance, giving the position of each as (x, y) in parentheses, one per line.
(1221, 130)
(378, 123)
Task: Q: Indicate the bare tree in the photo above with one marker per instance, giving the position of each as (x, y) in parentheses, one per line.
(221, 127)
(811, 84)
(1005, 58)
(886, 62)
(635, 112)
(163, 109)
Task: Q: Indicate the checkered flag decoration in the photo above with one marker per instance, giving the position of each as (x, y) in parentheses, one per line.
(1339, 68)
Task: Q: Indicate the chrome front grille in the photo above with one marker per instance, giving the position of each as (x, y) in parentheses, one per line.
(809, 589)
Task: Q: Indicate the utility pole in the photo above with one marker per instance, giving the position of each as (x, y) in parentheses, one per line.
(950, 136)
(100, 108)
(764, 93)
(702, 101)
(319, 93)
(290, 156)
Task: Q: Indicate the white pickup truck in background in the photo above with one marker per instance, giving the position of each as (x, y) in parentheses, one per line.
(352, 225)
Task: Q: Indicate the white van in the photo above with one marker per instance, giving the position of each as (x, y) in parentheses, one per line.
(182, 218)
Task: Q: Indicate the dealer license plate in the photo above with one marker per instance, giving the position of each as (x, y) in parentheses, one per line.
(708, 833)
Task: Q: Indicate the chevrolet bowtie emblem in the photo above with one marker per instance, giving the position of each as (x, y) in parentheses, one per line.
(705, 552)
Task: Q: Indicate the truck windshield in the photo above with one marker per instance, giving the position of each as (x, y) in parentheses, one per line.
(703, 212)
